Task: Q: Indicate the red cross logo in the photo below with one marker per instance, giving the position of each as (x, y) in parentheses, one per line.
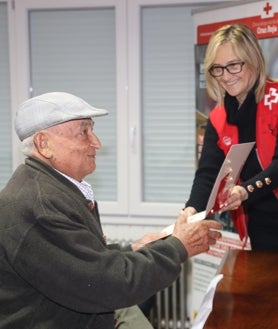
(271, 98)
(267, 8)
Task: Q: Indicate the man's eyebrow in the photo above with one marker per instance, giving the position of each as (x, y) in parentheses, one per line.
(87, 123)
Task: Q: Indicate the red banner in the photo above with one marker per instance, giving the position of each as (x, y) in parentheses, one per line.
(264, 24)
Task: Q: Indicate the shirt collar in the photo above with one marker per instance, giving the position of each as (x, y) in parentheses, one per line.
(84, 187)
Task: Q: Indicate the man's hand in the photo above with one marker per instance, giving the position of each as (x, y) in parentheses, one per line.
(146, 239)
(198, 236)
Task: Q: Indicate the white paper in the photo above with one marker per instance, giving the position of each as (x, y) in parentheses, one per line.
(230, 171)
(207, 304)
(196, 217)
(206, 265)
(169, 229)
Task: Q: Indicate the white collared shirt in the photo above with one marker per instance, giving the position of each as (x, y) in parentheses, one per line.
(83, 186)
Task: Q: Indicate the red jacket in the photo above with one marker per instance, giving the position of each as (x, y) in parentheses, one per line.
(266, 131)
(266, 126)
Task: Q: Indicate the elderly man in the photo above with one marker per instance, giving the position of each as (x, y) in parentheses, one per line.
(56, 270)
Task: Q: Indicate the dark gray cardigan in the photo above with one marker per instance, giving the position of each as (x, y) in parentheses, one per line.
(56, 271)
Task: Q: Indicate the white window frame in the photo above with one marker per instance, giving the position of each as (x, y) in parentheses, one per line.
(21, 78)
(129, 206)
(137, 206)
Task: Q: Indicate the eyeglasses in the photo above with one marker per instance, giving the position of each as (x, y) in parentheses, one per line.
(233, 68)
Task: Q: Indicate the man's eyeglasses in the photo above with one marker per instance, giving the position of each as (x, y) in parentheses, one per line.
(233, 68)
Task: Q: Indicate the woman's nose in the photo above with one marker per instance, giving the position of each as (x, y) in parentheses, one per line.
(226, 75)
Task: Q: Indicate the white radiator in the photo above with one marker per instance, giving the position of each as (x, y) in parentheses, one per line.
(170, 309)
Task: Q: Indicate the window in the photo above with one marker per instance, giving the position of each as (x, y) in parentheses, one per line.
(73, 50)
(165, 114)
(136, 59)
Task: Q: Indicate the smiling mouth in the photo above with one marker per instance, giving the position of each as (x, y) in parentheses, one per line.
(231, 83)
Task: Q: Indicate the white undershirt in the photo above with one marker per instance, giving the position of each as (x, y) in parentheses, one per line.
(84, 187)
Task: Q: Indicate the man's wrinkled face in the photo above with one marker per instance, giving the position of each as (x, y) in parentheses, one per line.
(73, 147)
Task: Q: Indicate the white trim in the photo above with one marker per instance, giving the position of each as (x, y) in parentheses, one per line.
(137, 206)
(237, 10)
(174, 2)
(54, 4)
(229, 5)
(134, 103)
(13, 60)
(122, 110)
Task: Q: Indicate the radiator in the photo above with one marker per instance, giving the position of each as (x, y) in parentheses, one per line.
(170, 309)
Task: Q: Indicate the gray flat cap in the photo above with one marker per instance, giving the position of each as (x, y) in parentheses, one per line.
(50, 109)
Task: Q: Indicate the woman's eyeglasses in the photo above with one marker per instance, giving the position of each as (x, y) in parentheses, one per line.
(233, 68)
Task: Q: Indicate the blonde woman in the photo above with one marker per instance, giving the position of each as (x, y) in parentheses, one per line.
(246, 111)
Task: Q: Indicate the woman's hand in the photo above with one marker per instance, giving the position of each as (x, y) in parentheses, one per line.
(237, 194)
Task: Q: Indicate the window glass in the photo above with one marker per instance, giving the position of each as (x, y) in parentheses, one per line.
(168, 103)
(74, 51)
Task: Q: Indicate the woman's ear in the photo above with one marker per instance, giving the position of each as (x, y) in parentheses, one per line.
(41, 141)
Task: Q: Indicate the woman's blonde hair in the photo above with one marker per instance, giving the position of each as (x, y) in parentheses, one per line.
(246, 47)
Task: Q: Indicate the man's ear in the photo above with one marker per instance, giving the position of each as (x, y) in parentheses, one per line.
(41, 141)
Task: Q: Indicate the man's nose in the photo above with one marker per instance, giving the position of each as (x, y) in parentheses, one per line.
(94, 140)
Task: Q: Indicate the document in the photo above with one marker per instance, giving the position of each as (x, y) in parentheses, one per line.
(206, 265)
(207, 304)
(227, 176)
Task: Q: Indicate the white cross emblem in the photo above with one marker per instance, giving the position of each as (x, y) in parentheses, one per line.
(272, 97)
